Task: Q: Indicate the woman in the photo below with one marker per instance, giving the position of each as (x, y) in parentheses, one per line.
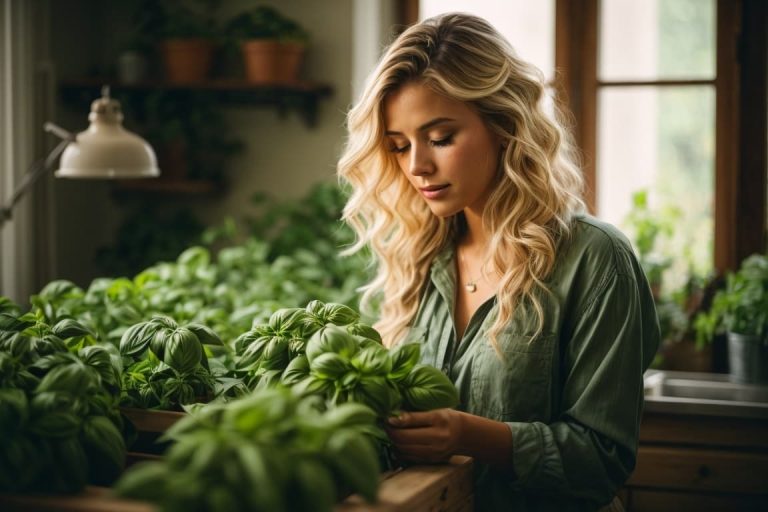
(466, 192)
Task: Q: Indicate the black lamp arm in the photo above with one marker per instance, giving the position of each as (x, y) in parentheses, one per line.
(38, 168)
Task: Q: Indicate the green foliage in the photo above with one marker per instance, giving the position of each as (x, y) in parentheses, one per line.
(269, 451)
(165, 364)
(58, 404)
(175, 18)
(264, 22)
(146, 237)
(648, 227)
(742, 307)
(316, 351)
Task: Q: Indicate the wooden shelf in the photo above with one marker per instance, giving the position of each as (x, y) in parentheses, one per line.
(168, 186)
(300, 96)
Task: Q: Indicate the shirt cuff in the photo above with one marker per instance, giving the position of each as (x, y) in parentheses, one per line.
(534, 460)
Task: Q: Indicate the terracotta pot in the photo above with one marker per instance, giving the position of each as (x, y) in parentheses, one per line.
(271, 62)
(187, 60)
(289, 64)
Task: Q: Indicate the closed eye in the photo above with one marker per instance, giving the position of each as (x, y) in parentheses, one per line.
(401, 149)
(445, 141)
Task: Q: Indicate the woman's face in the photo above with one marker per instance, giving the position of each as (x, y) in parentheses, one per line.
(444, 148)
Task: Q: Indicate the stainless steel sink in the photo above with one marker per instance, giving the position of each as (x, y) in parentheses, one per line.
(703, 393)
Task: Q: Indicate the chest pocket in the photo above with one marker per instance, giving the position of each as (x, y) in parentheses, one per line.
(516, 387)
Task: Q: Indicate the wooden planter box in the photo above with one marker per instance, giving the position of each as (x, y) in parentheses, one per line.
(147, 420)
(439, 487)
(416, 489)
(150, 425)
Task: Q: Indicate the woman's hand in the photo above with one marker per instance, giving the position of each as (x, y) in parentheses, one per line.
(431, 436)
(435, 436)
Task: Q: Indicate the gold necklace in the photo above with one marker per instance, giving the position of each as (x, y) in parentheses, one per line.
(471, 284)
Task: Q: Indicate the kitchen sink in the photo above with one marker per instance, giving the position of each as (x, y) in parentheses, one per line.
(703, 393)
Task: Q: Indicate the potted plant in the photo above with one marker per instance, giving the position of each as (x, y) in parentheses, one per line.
(272, 45)
(185, 33)
(740, 310)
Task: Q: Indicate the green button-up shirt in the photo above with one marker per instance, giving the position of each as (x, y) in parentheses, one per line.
(572, 396)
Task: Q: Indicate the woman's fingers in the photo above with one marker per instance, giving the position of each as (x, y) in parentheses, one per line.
(413, 419)
(411, 436)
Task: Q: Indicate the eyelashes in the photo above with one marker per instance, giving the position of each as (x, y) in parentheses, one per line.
(445, 141)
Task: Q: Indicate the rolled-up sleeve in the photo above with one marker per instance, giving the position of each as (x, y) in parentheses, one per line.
(589, 451)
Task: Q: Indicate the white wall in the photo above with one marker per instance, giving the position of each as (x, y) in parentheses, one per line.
(282, 156)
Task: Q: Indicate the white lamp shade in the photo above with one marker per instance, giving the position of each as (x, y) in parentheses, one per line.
(108, 152)
(106, 149)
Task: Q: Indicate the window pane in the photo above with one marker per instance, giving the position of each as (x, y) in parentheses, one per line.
(661, 140)
(528, 26)
(657, 39)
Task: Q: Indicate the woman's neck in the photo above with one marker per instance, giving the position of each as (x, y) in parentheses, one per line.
(474, 238)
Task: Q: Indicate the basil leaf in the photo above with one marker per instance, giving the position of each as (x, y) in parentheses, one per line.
(331, 338)
(136, 339)
(364, 330)
(312, 487)
(356, 460)
(147, 481)
(14, 410)
(373, 360)
(182, 350)
(205, 334)
(105, 449)
(404, 357)
(329, 366)
(374, 392)
(350, 415)
(296, 370)
(253, 353)
(75, 378)
(275, 356)
(339, 314)
(69, 328)
(287, 320)
(427, 388)
(58, 425)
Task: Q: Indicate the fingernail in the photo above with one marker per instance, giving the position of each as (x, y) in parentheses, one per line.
(394, 420)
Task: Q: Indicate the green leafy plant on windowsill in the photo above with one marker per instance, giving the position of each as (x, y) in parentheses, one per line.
(648, 229)
(741, 307)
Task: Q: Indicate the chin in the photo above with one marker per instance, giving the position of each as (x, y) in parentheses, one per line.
(443, 211)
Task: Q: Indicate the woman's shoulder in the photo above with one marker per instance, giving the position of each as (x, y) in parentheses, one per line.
(599, 244)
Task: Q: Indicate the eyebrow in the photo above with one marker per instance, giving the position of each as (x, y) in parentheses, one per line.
(425, 126)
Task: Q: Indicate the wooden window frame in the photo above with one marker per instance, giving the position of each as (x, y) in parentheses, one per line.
(740, 112)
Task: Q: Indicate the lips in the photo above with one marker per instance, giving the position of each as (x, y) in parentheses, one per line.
(434, 192)
(432, 188)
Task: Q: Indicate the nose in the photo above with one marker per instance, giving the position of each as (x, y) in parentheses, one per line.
(420, 162)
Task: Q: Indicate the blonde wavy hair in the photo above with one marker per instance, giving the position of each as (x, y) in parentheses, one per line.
(539, 188)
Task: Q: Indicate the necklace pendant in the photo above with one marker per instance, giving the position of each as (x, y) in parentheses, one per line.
(470, 287)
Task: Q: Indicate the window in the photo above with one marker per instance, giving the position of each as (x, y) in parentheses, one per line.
(655, 98)
(531, 30)
(668, 96)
